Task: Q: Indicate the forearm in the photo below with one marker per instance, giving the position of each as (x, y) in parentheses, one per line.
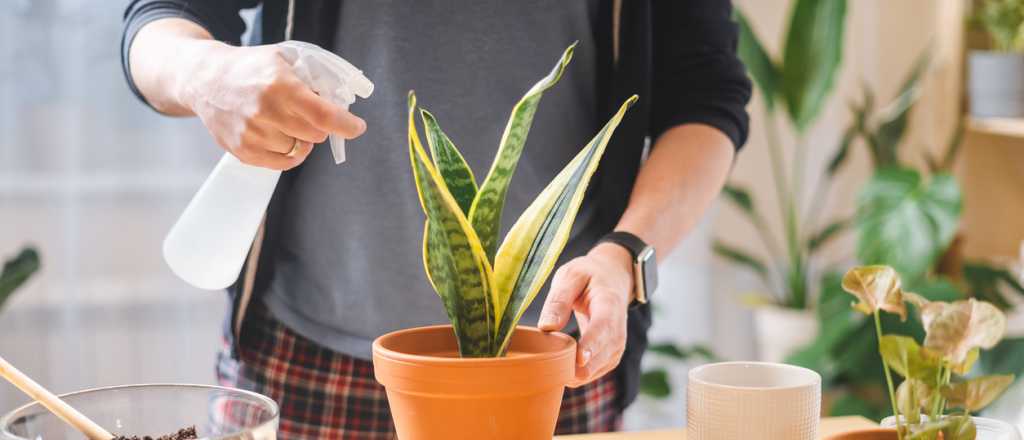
(684, 173)
(163, 56)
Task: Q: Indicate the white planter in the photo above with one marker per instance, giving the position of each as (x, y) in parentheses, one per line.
(988, 429)
(781, 331)
(994, 84)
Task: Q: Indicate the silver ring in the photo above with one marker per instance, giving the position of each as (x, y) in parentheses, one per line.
(295, 148)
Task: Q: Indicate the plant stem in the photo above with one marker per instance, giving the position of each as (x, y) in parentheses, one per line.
(785, 197)
(888, 380)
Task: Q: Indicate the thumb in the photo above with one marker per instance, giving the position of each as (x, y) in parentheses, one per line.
(566, 286)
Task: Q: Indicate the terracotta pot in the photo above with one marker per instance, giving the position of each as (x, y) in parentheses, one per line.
(434, 394)
(866, 434)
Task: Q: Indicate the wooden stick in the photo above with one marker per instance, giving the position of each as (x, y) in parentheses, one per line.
(53, 403)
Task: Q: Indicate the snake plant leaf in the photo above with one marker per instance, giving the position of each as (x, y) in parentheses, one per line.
(811, 57)
(485, 214)
(910, 397)
(534, 243)
(905, 221)
(977, 393)
(908, 359)
(954, 329)
(960, 428)
(454, 258)
(16, 271)
(759, 64)
(450, 163)
(876, 288)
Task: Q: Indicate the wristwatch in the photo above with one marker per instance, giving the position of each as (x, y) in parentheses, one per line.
(645, 270)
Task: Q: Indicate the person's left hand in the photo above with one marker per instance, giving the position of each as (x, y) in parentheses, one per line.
(598, 288)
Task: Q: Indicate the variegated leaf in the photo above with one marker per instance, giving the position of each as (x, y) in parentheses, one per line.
(454, 258)
(532, 247)
(976, 393)
(954, 329)
(485, 214)
(450, 163)
(876, 288)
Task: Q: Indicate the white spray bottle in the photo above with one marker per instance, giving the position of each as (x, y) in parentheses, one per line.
(209, 243)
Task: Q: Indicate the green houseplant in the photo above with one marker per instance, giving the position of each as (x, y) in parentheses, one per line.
(907, 217)
(16, 271)
(955, 332)
(795, 87)
(994, 76)
(492, 379)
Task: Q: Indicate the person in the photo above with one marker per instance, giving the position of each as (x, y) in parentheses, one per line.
(338, 262)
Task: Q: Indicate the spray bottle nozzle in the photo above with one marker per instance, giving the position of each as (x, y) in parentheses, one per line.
(330, 76)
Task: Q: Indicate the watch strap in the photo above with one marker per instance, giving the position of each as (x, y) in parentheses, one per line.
(631, 242)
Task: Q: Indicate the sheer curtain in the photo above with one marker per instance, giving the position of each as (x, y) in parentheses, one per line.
(94, 179)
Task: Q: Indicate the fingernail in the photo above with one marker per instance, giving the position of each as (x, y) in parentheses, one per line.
(548, 320)
(586, 357)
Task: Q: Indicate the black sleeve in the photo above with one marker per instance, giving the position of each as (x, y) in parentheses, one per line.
(697, 76)
(219, 17)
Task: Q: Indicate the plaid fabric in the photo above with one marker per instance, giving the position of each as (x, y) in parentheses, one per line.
(329, 395)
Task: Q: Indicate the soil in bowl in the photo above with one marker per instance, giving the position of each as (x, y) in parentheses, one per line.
(182, 434)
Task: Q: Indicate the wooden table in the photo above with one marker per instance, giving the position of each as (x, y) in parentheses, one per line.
(829, 426)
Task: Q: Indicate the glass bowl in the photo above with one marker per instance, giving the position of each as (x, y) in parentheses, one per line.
(155, 410)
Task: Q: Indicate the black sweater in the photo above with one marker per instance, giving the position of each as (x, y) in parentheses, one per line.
(679, 56)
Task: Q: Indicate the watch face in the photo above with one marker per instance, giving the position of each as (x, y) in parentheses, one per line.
(648, 271)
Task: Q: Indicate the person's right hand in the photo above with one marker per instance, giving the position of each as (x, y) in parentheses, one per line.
(257, 109)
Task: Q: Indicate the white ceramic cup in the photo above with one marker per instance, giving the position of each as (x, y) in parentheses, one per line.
(752, 400)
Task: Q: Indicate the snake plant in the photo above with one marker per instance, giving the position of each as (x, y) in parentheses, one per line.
(485, 287)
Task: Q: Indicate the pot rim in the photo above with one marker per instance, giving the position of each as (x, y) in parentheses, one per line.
(381, 349)
(693, 377)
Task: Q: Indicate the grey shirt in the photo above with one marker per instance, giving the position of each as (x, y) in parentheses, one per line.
(347, 266)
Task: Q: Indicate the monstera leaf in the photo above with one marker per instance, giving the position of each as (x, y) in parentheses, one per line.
(906, 222)
(876, 288)
(954, 329)
(977, 393)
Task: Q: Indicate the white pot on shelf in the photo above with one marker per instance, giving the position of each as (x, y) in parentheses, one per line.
(781, 331)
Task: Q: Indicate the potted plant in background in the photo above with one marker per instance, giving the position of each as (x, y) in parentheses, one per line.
(906, 217)
(482, 376)
(996, 76)
(933, 373)
(801, 81)
(16, 272)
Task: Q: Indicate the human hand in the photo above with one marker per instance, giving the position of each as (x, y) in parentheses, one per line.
(257, 109)
(598, 287)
